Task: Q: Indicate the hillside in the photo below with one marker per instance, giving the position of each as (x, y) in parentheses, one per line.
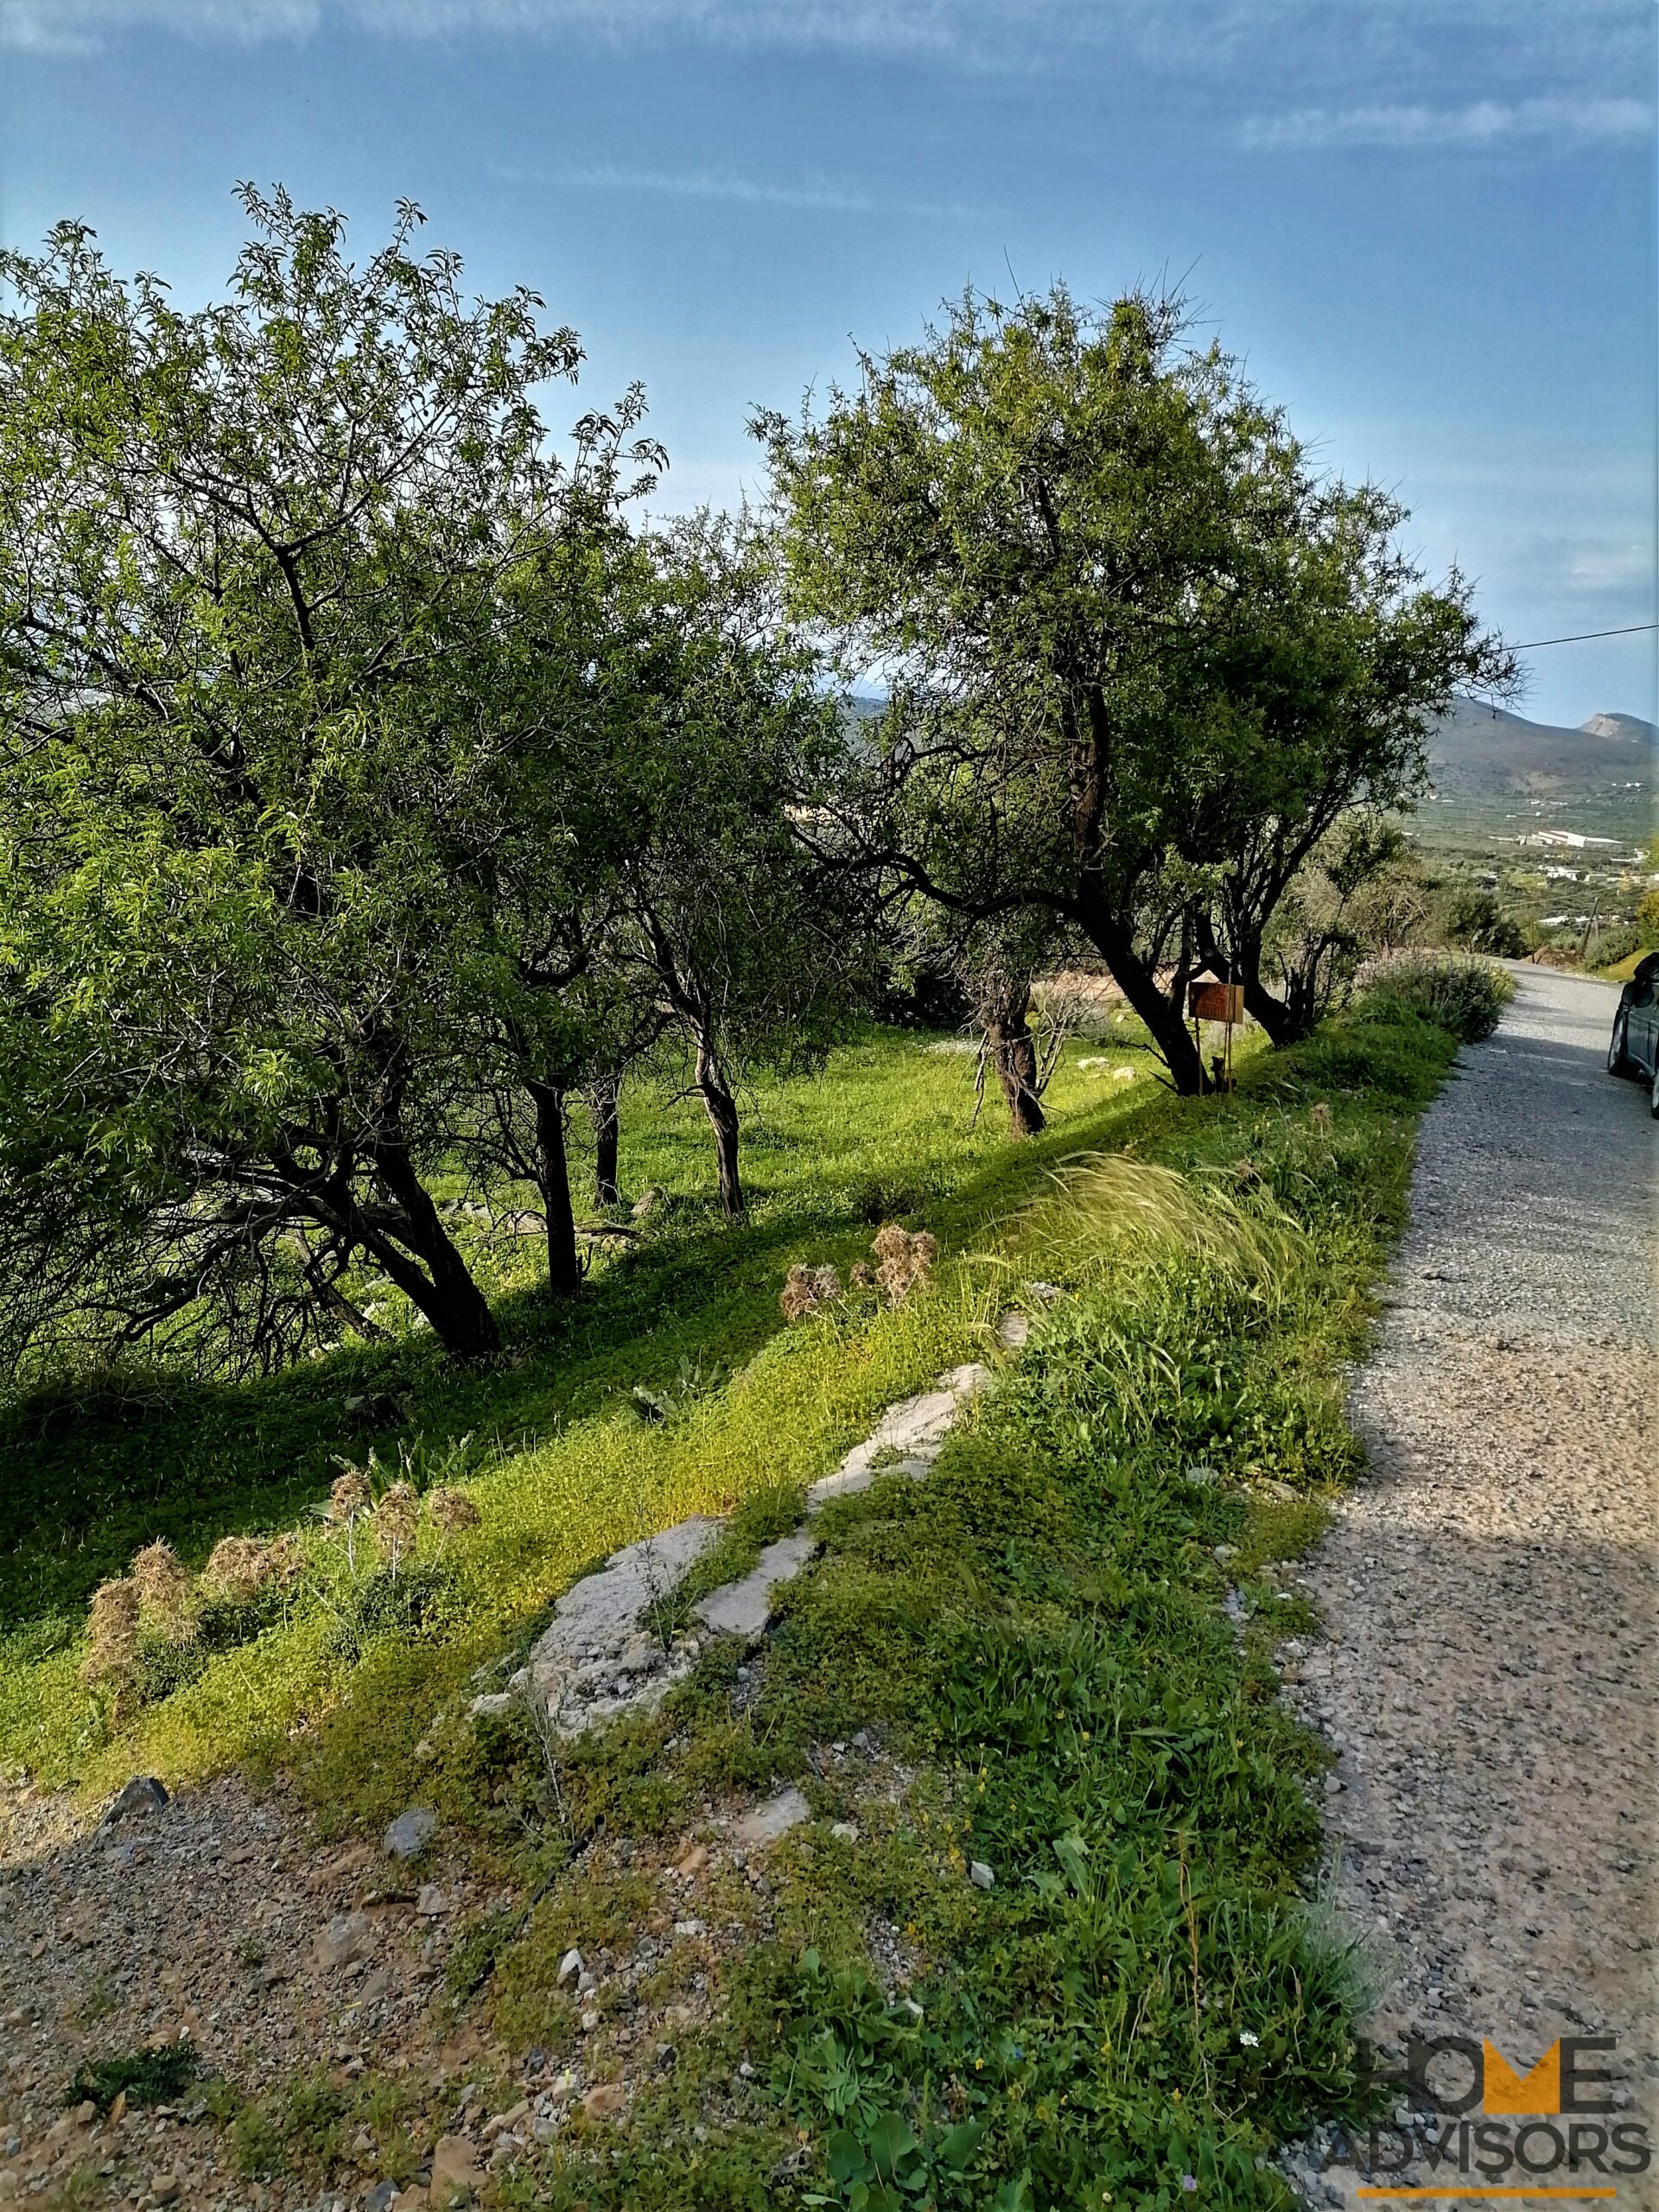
(1483, 752)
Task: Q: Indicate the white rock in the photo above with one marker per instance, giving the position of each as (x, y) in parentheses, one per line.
(980, 1875)
(764, 1824)
(570, 1966)
(744, 1608)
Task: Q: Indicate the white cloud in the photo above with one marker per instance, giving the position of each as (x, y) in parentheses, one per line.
(1482, 123)
(726, 184)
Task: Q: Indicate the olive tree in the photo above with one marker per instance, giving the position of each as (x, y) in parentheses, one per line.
(260, 717)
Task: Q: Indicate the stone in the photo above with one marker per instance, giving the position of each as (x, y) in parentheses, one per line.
(844, 1832)
(381, 2197)
(764, 1824)
(914, 1431)
(570, 1966)
(138, 1800)
(411, 1832)
(604, 2100)
(744, 1608)
(576, 1659)
(493, 1705)
(431, 1902)
(455, 2172)
(348, 1936)
(165, 2189)
(692, 1862)
(410, 2200)
(979, 1874)
(1014, 1330)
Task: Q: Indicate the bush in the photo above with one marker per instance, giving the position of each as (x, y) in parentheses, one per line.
(1471, 919)
(1465, 997)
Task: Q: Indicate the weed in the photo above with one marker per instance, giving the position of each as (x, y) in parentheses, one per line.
(157, 2074)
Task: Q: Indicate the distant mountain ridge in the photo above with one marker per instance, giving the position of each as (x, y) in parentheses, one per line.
(1479, 751)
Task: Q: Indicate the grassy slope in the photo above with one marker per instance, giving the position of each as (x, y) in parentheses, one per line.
(565, 1470)
(1143, 2003)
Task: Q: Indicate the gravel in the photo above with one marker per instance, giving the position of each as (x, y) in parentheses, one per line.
(1488, 1670)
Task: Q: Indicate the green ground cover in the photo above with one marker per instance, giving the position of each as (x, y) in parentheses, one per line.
(1039, 1641)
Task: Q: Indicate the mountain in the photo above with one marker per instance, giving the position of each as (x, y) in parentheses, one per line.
(1482, 752)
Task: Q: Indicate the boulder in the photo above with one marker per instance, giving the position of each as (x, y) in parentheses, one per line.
(411, 1832)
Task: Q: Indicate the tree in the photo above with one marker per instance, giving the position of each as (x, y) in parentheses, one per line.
(257, 638)
(736, 939)
(1033, 521)
(1312, 715)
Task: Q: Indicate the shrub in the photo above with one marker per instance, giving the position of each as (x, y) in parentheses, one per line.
(1465, 997)
(156, 2076)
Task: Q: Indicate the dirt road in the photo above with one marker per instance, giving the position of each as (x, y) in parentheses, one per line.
(1490, 1677)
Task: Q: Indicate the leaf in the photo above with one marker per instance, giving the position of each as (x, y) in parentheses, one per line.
(892, 2141)
(955, 2150)
(846, 2158)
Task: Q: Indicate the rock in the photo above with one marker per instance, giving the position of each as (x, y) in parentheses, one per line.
(165, 2189)
(693, 1861)
(570, 1966)
(411, 1832)
(915, 1429)
(138, 1799)
(766, 1823)
(605, 2102)
(1014, 1330)
(455, 2171)
(500, 2121)
(348, 1936)
(410, 2200)
(844, 1832)
(495, 1705)
(431, 1904)
(744, 1608)
(980, 1875)
(381, 2197)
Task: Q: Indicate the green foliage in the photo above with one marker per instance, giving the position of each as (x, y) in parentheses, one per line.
(158, 2074)
(1465, 997)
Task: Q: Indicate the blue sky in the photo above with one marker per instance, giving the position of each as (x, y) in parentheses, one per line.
(1428, 224)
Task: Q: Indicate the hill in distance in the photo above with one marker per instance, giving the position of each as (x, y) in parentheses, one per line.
(1483, 752)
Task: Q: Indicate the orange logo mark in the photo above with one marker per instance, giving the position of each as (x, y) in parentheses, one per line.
(1508, 2092)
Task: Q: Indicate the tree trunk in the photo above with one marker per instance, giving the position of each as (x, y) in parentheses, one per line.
(722, 1109)
(601, 1105)
(553, 1180)
(1135, 979)
(1014, 1055)
(445, 1291)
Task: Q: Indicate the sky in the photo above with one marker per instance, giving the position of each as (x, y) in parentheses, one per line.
(1426, 225)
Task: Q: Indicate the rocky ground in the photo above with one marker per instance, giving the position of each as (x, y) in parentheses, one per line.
(1488, 1678)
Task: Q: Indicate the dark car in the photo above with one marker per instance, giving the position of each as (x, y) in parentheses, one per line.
(1635, 1046)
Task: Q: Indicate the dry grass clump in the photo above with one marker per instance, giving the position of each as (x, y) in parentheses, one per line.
(164, 1587)
(805, 1289)
(395, 1523)
(239, 1568)
(450, 1509)
(112, 1622)
(349, 1497)
(904, 1260)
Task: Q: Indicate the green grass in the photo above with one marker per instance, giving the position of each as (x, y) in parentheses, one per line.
(1146, 2000)
(561, 1464)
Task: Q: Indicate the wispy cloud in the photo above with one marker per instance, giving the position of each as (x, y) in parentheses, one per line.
(1481, 123)
(818, 194)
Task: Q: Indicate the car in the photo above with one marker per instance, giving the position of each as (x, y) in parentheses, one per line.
(1634, 1048)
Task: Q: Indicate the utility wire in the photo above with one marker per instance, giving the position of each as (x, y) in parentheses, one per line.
(1578, 637)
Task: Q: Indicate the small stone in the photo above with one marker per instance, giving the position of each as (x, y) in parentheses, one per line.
(165, 2189)
(570, 1966)
(844, 1832)
(138, 1800)
(495, 1705)
(692, 1863)
(381, 2197)
(766, 1823)
(454, 2171)
(85, 2112)
(411, 1832)
(605, 2102)
(430, 1902)
(349, 1936)
(980, 1875)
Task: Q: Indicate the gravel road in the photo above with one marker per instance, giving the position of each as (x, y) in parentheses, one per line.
(1489, 1676)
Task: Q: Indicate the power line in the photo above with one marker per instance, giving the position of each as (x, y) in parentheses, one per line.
(1578, 637)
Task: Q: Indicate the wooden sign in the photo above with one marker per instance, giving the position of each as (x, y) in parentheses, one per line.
(1216, 1001)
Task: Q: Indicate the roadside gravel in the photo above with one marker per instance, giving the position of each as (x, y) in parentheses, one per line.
(1487, 1675)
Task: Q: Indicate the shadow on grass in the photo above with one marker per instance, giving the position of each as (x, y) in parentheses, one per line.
(90, 1472)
